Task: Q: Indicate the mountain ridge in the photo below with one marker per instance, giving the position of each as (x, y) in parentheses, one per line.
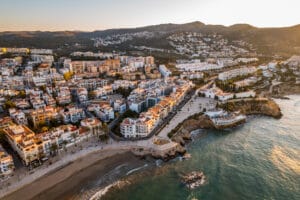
(156, 26)
(278, 40)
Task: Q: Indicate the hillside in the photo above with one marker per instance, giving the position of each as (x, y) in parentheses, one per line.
(283, 41)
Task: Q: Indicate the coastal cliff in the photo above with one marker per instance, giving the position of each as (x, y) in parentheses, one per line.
(259, 106)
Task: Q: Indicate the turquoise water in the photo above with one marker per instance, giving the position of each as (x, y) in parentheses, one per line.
(259, 160)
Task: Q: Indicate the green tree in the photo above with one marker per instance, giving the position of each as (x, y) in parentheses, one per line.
(22, 94)
(43, 88)
(9, 104)
(53, 148)
(91, 95)
(44, 129)
(2, 137)
(105, 128)
(74, 136)
(29, 157)
(124, 92)
(119, 76)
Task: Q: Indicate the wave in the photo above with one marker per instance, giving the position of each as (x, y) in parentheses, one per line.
(136, 169)
(103, 191)
(120, 166)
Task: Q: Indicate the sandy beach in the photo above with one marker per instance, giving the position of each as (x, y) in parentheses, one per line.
(61, 183)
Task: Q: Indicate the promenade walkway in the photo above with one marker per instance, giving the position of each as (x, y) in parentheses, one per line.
(192, 107)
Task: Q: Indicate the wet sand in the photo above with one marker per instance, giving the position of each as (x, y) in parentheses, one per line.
(64, 183)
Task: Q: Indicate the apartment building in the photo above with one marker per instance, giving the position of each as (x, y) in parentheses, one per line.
(16, 50)
(42, 58)
(43, 115)
(63, 96)
(82, 94)
(236, 72)
(133, 128)
(6, 163)
(22, 140)
(149, 119)
(57, 137)
(41, 51)
(199, 66)
(18, 116)
(164, 71)
(149, 60)
(80, 67)
(191, 75)
(91, 84)
(124, 84)
(72, 114)
(119, 105)
(103, 111)
(93, 125)
(103, 91)
(246, 82)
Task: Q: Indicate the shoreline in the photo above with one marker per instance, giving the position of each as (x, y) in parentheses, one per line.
(81, 163)
(89, 177)
(265, 107)
(59, 175)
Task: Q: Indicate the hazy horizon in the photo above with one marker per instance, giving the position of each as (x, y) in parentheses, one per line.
(90, 15)
(74, 30)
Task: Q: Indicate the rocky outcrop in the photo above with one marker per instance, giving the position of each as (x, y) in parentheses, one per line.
(254, 107)
(165, 151)
(182, 135)
(248, 107)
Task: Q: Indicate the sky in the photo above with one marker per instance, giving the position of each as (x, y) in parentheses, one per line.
(89, 15)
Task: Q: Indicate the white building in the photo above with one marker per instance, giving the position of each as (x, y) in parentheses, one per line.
(119, 106)
(133, 128)
(72, 114)
(103, 111)
(42, 58)
(246, 82)
(199, 66)
(164, 71)
(215, 92)
(192, 75)
(41, 51)
(18, 116)
(247, 94)
(94, 126)
(82, 94)
(236, 72)
(6, 163)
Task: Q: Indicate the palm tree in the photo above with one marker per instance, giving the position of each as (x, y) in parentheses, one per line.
(106, 131)
(28, 157)
(74, 136)
(54, 148)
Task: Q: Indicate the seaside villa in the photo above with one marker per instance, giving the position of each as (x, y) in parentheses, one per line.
(222, 119)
